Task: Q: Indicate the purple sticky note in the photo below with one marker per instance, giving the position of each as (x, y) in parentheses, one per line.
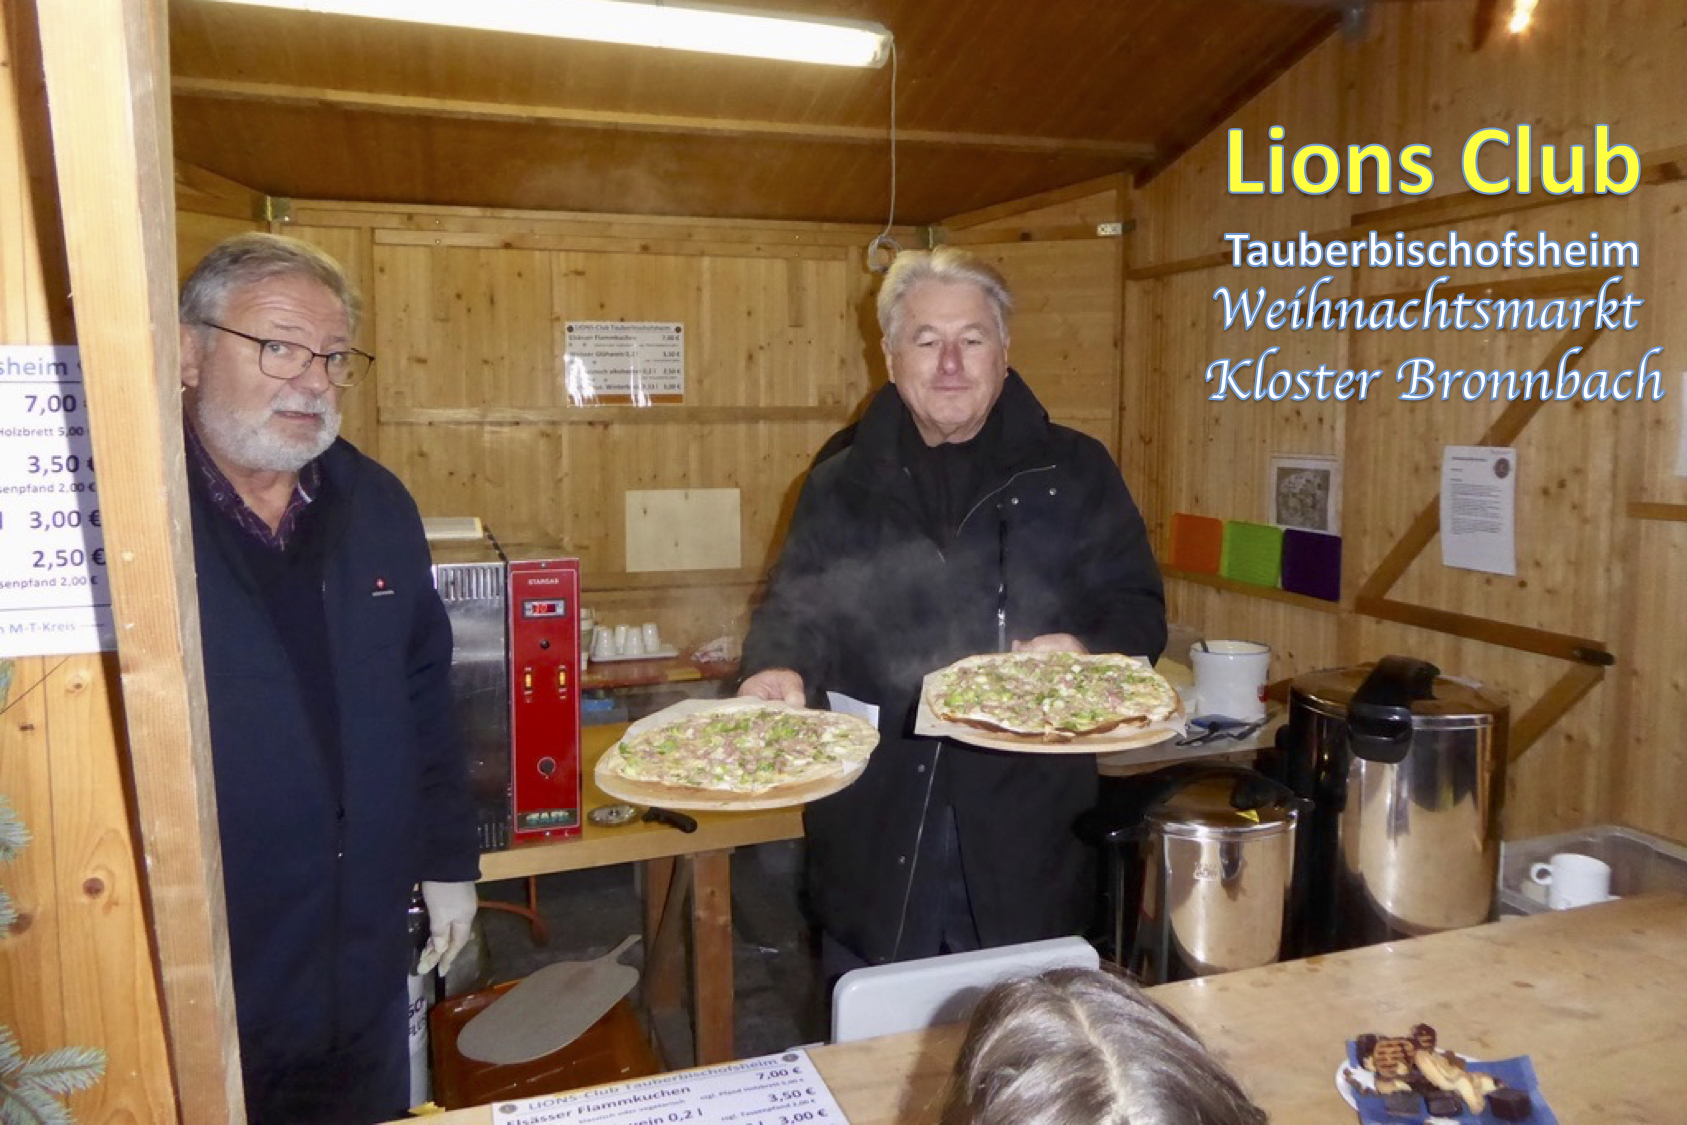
(1312, 564)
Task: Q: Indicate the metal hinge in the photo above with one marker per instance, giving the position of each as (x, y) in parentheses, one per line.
(274, 209)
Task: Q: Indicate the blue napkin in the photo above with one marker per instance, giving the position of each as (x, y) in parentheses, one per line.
(1517, 1073)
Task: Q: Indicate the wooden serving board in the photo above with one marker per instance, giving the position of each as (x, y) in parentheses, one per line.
(927, 723)
(714, 800)
(709, 800)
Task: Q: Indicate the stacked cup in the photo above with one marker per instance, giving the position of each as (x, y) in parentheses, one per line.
(624, 641)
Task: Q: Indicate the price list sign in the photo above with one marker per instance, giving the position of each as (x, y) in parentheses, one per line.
(783, 1089)
(54, 596)
(614, 361)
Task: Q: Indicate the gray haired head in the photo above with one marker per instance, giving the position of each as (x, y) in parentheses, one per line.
(1087, 1046)
(247, 259)
(946, 263)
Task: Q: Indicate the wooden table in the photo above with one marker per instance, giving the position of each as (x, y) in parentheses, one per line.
(677, 866)
(1595, 996)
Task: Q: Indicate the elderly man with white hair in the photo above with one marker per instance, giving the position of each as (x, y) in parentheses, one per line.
(953, 519)
(340, 776)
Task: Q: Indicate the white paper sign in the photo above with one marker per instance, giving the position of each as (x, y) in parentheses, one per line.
(1479, 508)
(849, 705)
(616, 361)
(783, 1089)
(54, 595)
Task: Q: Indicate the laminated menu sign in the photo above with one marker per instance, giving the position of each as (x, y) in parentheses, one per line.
(613, 361)
(782, 1089)
(54, 595)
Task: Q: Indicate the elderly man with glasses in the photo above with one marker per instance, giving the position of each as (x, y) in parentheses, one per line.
(340, 776)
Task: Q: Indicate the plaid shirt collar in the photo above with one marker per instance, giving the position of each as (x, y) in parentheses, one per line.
(226, 498)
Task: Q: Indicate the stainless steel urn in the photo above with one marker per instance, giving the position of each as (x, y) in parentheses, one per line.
(1218, 868)
(1406, 772)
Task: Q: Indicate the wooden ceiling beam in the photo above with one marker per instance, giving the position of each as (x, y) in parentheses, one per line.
(203, 191)
(1116, 181)
(356, 101)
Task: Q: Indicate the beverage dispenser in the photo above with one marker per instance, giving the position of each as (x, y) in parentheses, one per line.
(1406, 772)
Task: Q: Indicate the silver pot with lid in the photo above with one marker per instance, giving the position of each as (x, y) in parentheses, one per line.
(1218, 870)
(1406, 772)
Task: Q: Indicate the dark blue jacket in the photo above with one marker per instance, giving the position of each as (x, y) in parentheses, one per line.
(318, 869)
(865, 600)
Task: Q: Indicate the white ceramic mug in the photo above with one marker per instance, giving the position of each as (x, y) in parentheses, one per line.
(1230, 678)
(1573, 879)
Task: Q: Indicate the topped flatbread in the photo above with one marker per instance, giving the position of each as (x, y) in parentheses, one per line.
(745, 747)
(1051, 696)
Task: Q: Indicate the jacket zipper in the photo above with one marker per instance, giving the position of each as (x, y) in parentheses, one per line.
(914, 864)
(339, 783)
(937, 747)
(982, 500)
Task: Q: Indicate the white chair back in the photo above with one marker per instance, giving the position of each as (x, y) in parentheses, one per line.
(908, 995)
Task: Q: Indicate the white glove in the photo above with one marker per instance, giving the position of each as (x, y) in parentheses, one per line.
(451, 910)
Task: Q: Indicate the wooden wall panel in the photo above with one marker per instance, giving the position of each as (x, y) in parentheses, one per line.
(108, 996)
(1652, 774)
(1582, 62)
(468, 318)
(469, 311)
(1661, 427)
(33, 969)
(196, 234)
(463, 327)
(352, 249)
(1588, 565)
(1065, 327)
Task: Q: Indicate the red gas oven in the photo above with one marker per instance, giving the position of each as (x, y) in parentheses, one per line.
(515, 679)
(544, 625)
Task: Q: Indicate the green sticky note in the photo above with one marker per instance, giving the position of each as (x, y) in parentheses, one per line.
(1253, 552)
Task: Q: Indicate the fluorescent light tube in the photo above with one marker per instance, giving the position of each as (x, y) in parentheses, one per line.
(642, 23)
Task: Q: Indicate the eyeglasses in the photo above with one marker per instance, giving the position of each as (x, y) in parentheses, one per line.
(282, 359)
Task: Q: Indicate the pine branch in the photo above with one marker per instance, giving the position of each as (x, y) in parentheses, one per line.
(13, 834)
(30, 1088)
(63, 1071)
(26, 1105)
(11, 1055)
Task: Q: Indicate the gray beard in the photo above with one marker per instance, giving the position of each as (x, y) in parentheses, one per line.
(246, 439)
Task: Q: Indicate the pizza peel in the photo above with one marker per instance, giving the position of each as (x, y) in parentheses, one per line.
(548, 1010)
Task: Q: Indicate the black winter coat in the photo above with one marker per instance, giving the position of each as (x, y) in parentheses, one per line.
(864, 602)
(318, 869)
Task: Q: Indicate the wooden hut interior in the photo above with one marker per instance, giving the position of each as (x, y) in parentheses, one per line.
(486, 189)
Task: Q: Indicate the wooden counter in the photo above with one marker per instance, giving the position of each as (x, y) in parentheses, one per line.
(1594, 996)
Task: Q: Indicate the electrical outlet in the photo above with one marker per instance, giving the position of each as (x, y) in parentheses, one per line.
(1109, 230)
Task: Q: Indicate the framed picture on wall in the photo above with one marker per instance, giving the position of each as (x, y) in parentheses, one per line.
(1305, 492)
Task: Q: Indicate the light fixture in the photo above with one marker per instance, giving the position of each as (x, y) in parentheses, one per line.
(642, 23)
(1521, 11)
